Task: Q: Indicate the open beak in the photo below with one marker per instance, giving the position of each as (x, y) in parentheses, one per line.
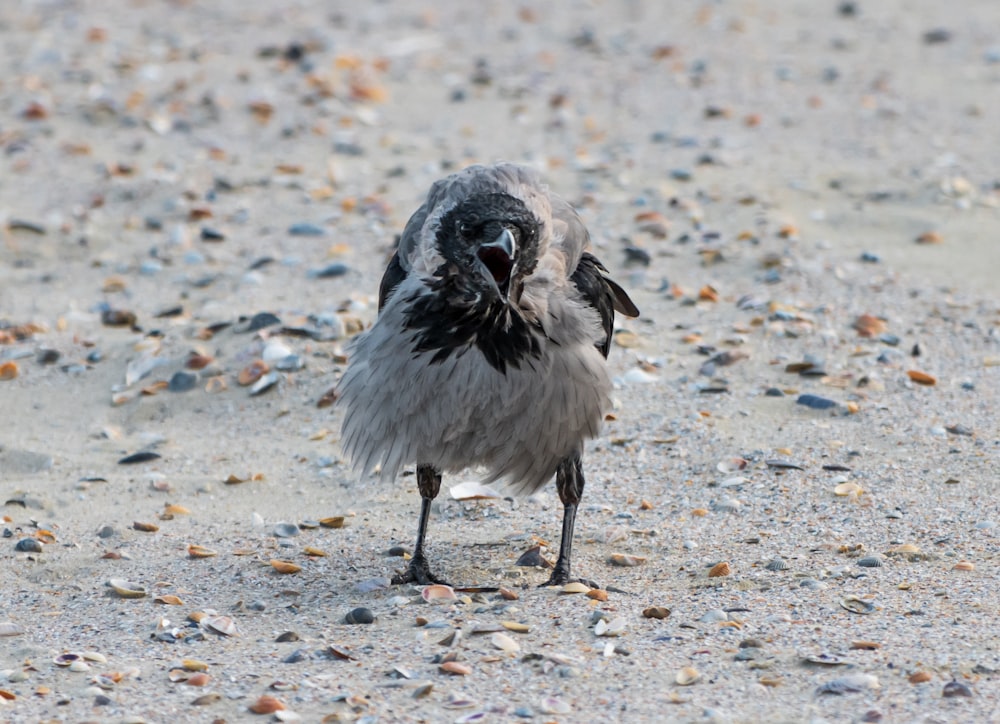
(497, 257)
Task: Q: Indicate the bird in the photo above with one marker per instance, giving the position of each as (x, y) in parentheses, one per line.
(488, 351)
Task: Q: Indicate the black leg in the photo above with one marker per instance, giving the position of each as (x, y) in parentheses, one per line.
(569, 483)
(428, 483)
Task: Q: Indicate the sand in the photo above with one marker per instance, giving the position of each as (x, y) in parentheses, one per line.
(776, 172)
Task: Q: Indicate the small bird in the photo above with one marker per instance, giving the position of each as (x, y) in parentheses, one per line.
(489, 348)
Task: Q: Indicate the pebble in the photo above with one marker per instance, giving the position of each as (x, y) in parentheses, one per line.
(360, 615)
(304, 228)
(28, 545)
(182, 381)
(330, 271)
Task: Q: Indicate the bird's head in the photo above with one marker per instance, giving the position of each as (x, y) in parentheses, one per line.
(492, 240)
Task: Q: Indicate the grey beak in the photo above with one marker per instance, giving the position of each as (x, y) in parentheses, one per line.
(497, 257)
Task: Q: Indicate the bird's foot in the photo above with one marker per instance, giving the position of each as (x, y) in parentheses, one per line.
(417, 572)
(560, 577)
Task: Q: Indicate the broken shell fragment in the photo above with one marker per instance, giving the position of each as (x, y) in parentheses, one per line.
(455, 668)
(267, 705)
(857, 605)
(285, 566)
(719, 569)
(438, 593)
(252, 372)
(610, 628)
(505, 643)
(687, 676)
(196, 551)
(125, 589)
(168, 600)
(625, 561)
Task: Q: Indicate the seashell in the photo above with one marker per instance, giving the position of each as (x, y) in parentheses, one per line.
(9, 628)
(574, 587)
(65, 659)
(610, 628)
(170, 509)
(731, 465)
(286, 530)
(125, 589)
(597, 594)
(719, 569)
(145, 527)
(625, 560)
(223, 625)
(515, 626)
(734, 482)
(716, 615)
(267, 705)
(336, 521)
(687, 676)
(196, 551)
(777, 564)
(285, 566)
(868, 325)
(920, 677)
(964, 565)
(193, 665)
(275, 351)
(198, 361)
(438, 593)
(955, 688)
(505, 643)
(921, 378)
(360, 615)
(168, 600)
(866, 645)
(423, 691)
(848, 684)
(315, 552)
(198, 679)
(905, 549)
(264, 384)
(658, 612)
(79, 666)
(8, 370)
(699, 512)
(455, 668)
(857, 605)
(871, 562)
(929, 237)
(726, 505)
(28, 545)
(554, 705)
(508, 595)
(473, 491)
(252, 372)
(770, 681)
(178, 675)
(533, 557)
(848, 489)
(340, 653)
(207, 699)
(196, 616)
(824, 660)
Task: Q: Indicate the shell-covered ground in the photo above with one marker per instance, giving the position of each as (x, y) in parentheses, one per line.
(196, 203)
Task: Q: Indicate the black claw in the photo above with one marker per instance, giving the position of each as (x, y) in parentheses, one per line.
(417, 572)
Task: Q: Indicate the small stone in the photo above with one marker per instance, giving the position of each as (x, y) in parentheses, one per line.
(28, 545)
(304, 228)
(182, 381)
(360, 615)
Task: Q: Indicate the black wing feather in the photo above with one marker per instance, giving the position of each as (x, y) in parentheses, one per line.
(394, 274)
(602, 294)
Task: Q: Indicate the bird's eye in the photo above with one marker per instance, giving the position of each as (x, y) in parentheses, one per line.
(465, 228)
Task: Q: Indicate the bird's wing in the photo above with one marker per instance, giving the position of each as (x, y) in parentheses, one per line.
(603, 294)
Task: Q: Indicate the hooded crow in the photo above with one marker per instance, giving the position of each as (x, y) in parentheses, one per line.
(489, 348)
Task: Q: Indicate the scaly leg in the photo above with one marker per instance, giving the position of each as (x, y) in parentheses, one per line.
(569, 483)
(428, 483)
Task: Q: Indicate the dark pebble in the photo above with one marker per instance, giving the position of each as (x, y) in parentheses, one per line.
(295, 657)
(774, 392)
(23, 225)
(139, 457)
(458, 95)
(28, 545)
(815, 402)
(261, 320)
(681, 174)
(174, 311)
(304, 228)
(955, 688)
(287, 636)
(102, 700)
(95, 356)
(330, 271)
(153, 223)
(637, 255)
(889, 339)
(870, 258)
(937, 35)
(261, 262)
(348, 149)
(182, 381)
(47, 356)
(533, 558)
(117, 318)
(360, 615)
(106, 531)
(397, 551)
(210, 234)
(848, 9)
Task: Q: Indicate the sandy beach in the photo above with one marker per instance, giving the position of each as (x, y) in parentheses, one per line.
(792, 510)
